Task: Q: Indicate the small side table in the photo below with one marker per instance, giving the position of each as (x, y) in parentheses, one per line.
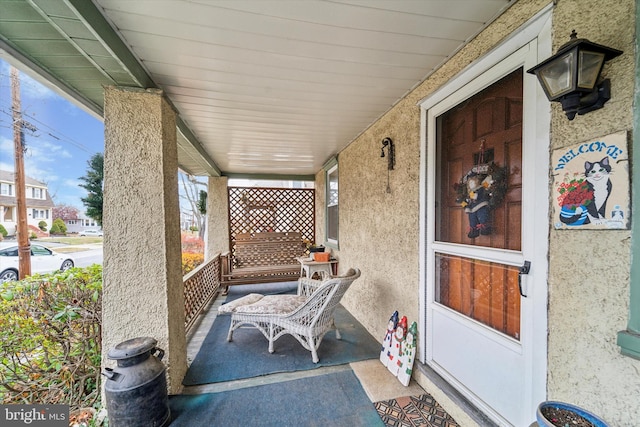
(311, 267)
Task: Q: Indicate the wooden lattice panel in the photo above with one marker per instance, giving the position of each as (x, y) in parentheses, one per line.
(258, 209)
(200, 286)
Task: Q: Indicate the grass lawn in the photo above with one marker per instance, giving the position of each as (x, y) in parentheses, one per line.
(75, 240)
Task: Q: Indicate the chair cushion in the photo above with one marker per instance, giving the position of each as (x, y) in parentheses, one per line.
(245, 300)
(273, 304)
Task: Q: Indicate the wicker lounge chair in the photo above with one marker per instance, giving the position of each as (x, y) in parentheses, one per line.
(307, 316)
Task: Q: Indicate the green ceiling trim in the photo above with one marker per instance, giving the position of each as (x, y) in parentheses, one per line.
(27, 62)
(189, 136)
(94, 21)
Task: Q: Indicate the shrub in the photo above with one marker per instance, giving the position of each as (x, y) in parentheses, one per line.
(3, 231)
(190, 261)
(50, 330)
(42, 225)
(55, 229)
(61, 226)
(191, 243)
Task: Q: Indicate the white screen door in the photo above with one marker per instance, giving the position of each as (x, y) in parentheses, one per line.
(485, 321)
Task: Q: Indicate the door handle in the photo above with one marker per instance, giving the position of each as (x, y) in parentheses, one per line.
(524, 269)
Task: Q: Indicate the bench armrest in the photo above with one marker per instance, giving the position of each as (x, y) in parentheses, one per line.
(225, 264)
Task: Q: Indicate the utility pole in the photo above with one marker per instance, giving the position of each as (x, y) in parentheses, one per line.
(24, 247)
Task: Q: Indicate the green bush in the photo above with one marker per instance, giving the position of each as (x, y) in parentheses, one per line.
(58, 227)
(42, 225)
(3, 231)
(50, 338)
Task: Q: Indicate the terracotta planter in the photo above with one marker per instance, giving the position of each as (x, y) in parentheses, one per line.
(321, 256)
(568, 409)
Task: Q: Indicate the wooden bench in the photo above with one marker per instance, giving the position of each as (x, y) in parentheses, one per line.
(263, 258)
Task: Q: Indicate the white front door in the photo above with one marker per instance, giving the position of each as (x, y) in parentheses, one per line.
(485, 216)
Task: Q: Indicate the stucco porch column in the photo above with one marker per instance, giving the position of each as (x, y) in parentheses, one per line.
(142, 278)
(217, 216)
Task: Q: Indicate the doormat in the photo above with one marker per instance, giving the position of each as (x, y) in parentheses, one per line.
(413, 411)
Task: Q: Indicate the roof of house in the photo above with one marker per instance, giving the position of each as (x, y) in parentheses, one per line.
(6, 176)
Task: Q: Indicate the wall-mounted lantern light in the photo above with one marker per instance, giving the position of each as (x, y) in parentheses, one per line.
(572, 76)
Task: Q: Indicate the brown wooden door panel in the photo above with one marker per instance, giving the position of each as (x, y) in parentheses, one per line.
(484, 128)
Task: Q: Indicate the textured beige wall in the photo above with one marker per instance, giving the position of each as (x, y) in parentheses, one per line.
(379, 231)
(589, 270)
(143, 290)
(217, 217)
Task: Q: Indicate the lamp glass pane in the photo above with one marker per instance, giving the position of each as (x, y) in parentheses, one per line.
(590, 66)
(558, 75)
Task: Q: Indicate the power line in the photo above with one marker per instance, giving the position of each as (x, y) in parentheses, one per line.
(62, 138)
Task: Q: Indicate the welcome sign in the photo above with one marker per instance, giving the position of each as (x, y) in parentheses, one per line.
(591, 185)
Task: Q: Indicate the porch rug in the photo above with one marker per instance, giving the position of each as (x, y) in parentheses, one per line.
(326, 400)
(248, 356)
(413, 411)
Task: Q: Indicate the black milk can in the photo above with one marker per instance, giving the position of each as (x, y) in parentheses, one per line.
(136, 390)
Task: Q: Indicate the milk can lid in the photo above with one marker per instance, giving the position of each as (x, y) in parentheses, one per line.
(131, 348)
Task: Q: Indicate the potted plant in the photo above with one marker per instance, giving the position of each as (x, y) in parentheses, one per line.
(560, 414)
(311, 247)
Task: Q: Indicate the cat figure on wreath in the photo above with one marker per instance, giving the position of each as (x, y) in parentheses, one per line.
(476, 205)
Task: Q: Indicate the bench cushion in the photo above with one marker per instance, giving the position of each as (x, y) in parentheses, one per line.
(229, 307)
(273, 304)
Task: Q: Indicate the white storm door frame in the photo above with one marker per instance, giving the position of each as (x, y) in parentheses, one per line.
(526, 47)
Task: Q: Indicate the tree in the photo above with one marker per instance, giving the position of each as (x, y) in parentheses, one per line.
(196, 198)
(93, 184)
(65, 212)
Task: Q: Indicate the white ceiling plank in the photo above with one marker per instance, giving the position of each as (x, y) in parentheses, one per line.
(278, 86)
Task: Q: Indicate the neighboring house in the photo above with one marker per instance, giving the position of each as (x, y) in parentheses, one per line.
(187, 220)
(80, 223)
(38, 200)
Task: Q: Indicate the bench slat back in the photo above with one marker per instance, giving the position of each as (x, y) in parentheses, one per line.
(270, 248)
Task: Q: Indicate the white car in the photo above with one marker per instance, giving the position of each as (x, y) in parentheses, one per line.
(97, 233)
(43, 260)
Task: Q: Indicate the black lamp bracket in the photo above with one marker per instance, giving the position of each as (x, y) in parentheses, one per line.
(391, 157)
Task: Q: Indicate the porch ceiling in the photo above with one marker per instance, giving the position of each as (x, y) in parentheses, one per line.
(262, 87)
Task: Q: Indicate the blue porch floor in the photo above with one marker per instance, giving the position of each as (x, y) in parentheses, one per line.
(378, 384)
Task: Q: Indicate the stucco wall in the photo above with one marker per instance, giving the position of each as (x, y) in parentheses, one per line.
(588, 270)
(217, 216)
(142, 227)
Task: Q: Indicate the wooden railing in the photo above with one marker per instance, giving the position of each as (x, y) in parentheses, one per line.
(200, 287)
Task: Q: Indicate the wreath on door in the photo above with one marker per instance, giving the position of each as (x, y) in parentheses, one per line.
(479, 191)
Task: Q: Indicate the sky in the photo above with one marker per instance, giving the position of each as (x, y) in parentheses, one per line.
(66, 137)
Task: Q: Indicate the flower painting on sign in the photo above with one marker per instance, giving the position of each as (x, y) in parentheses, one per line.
(591, 184)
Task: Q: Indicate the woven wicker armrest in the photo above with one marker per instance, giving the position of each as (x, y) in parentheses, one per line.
(307, 286)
